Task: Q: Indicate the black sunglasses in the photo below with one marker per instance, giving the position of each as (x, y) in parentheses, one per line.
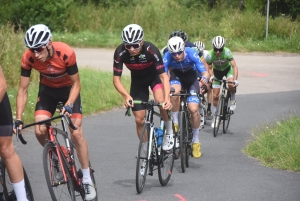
(134, 45)
(220, 50)
(176, 53)
(38, 49)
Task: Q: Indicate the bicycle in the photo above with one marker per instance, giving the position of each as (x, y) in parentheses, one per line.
(61, 164)
(223, 111)
(149, 153)
(185, 132)
(7, 192)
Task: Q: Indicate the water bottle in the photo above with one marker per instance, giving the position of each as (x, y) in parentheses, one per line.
(159, 136)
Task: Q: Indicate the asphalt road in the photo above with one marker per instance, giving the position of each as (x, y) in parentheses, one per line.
(268, 91)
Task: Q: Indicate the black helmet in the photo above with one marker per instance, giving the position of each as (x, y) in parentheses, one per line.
(179, 33)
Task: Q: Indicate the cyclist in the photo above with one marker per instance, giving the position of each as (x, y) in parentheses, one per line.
(59, 81)
(186, 65)
(7, 153)
(221, 61)
(144, 61)
(201, 47)
(184, 37)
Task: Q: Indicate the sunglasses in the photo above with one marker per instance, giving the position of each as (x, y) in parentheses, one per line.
(220, 50)
(176, 53)
(38, 49)
(134, 45)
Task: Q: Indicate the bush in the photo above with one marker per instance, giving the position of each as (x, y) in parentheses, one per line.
(26, 13)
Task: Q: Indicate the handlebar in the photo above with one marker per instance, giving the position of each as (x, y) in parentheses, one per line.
(150, 102)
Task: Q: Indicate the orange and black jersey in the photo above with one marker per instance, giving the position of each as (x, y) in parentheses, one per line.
(143, 65)
(55, 71)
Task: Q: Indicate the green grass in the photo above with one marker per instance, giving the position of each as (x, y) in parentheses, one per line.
(277, 145)
(97, 94)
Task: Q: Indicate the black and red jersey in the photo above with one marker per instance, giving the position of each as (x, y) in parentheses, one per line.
(145, 64)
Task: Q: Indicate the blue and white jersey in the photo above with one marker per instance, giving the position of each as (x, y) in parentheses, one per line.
(191, 61)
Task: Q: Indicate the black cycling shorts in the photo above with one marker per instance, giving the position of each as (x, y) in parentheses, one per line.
(49, 97)
(6, 121)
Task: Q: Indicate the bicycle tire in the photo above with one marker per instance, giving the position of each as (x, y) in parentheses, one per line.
(58, 189)
(77, 165)
(218, 116)
(188, 143)
(8, 191)
(142, 161)
(165, 167)
(182, 139)
(226, 112)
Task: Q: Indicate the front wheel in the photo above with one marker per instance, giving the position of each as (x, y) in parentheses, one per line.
(142, 159)
(218, 116)
(226, 112)
(165, 166)
(182, 129)
(59, 188)
(8, 191)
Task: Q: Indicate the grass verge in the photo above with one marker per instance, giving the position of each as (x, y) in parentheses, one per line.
(277, 145)
(97, 94)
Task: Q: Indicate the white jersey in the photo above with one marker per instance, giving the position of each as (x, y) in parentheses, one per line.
(205, 53)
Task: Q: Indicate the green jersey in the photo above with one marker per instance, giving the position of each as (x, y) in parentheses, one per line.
(222, 62)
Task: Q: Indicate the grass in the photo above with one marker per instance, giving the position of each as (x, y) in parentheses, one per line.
(277, 145)
(97, 94)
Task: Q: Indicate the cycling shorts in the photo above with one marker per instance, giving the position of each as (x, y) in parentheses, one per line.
(139, 90)
(6, 121)
(228, 73)
(49, 97)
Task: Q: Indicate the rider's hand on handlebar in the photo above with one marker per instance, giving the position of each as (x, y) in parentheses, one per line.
(167, 105)
(236, 83)
(68, 110)
(211, 79)
(128, 102)
(18, 124)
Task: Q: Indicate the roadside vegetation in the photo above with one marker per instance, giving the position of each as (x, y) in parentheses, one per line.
(81, 23)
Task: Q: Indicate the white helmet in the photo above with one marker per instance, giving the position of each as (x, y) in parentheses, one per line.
(37, 35)
(218, 42)
(175, 44)
(200, 45)
(132, 33)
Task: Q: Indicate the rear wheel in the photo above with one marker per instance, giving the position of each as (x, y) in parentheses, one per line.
(226, 112)
(142, 159)
(59, 188)
(182, 139)
(8, 191)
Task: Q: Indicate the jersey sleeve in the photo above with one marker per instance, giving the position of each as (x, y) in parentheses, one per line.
(26, 64)
(228, 54)
(209, 57)
(157, 61)
(198, 63)
(118, 63)
(166, 60)
(72, 67)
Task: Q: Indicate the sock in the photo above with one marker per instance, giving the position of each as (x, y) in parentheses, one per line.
(195, 135)
(86, 176)
(168, 126)
(233, 96)
(175, 117)
(20, 191)
(214, 109)
(208, 106)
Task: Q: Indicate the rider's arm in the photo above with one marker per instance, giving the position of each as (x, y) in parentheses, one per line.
(200, 66)
(119, 87)
(75, 90)
(235, 69)
(3, 86)
(22, 96)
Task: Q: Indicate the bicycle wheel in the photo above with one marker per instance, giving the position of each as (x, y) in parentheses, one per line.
(8, 191)
(79, 190)
(182, 139)
(218, 116)
(165, 167)
(58, 188)
(188, 143)
(226, 112)
(142, 159)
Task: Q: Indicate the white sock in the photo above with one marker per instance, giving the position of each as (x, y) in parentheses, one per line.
(20, 191)
(175, 117)
(233, 96)
(214, 109)
(195, 135)
(169, 128)
(86, 176)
